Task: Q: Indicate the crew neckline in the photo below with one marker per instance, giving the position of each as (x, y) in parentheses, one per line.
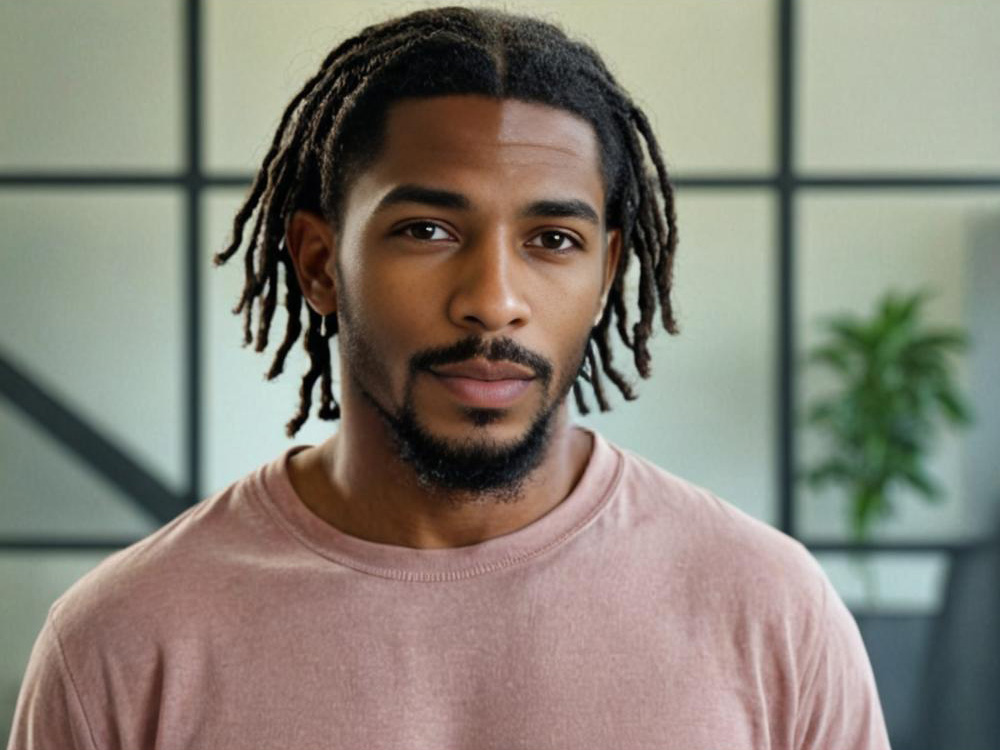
(273, 488)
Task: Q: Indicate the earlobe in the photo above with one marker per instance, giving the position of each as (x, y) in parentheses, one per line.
(614, 255)
(614, 249)
(312, 247)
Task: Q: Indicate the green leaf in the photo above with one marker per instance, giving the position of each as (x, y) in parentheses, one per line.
(821, 411)
(866, 505)
(853, 334)
(940, 340)
(834, 470)
(911, 306)
(835, 358)
(955, 408)
(917, 478)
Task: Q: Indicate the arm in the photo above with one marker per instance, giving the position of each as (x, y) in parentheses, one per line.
(838, 702)
(49, 713)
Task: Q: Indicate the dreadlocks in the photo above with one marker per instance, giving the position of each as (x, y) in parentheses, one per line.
(333, 128)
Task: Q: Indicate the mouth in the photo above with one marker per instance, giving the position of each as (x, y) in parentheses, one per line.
(482, 369)
(485, 394)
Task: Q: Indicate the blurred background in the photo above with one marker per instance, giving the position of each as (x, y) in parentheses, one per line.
(825, 152)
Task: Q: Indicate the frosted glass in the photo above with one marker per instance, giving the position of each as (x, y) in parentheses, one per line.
(897, 87)
(29, 583)
(91, 299)
(703, 71)
(48, 492)
(93, 84)
(244, 415)
(707, 413)
(851, 249)
(901, 583)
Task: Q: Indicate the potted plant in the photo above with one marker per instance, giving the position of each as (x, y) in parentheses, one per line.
(895, 380)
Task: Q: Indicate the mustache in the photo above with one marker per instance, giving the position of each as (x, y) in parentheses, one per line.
(494, 350)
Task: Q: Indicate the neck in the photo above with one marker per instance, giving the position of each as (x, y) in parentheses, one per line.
(356, 482)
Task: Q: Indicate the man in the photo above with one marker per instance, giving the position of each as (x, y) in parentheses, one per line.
(456, 195)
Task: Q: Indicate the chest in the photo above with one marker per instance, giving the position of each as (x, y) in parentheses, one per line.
(520, 672)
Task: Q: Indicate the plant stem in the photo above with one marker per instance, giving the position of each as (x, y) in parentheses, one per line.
(863, 564)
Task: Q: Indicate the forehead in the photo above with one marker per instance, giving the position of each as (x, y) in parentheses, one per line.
(502, 136)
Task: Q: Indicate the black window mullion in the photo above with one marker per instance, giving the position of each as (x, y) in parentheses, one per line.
(192, 257)
(785, 401)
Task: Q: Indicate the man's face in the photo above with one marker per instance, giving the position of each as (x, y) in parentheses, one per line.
(471, 264)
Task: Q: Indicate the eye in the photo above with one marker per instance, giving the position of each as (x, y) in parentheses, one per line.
(426, 231)
(555, 240)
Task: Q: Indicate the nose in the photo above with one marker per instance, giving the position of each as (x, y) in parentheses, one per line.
(489, 293)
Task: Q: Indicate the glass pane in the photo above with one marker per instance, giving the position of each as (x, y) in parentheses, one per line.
(703, 71)
(29, 583)
(889, 86)
(91, 293)
(48, 493)
(707, 413)
(245, 416)
(855, 247)
(886, 583)
(94, 85)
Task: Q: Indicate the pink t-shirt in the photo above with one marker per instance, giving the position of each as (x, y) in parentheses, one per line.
(641, 612)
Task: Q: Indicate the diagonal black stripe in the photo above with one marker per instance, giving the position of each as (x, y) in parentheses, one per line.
(78, 437)
(55, 544)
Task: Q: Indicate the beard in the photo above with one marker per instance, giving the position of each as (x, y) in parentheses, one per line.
(478, 468)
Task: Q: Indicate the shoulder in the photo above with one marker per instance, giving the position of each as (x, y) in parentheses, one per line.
(718, 542)
(744, 580)
(760, 599)
(149, 584)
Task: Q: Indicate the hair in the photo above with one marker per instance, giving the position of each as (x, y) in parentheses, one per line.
(334, 128)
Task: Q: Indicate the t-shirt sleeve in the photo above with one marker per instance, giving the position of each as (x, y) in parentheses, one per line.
(839, 705)
(48, 712)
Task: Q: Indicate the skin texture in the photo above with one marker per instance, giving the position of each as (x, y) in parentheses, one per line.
(417, 282)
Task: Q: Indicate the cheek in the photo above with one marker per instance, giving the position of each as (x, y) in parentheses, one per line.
(570, 306)
(567, 321)
(391, 323)
(398, 305)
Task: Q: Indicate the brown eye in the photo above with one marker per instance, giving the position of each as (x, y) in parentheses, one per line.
(552, 240)
(556, 240)
(425, 230)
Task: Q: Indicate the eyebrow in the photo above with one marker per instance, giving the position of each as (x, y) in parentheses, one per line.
(569, 208)
(425, 195)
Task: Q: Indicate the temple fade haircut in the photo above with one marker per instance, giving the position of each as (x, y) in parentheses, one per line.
(334, 128)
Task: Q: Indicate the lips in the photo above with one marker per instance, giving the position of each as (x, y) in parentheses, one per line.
(485, 394)
(481, 369)
(483, 384)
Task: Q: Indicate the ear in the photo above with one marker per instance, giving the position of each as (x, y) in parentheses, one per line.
(311, 243)
(614, 252)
